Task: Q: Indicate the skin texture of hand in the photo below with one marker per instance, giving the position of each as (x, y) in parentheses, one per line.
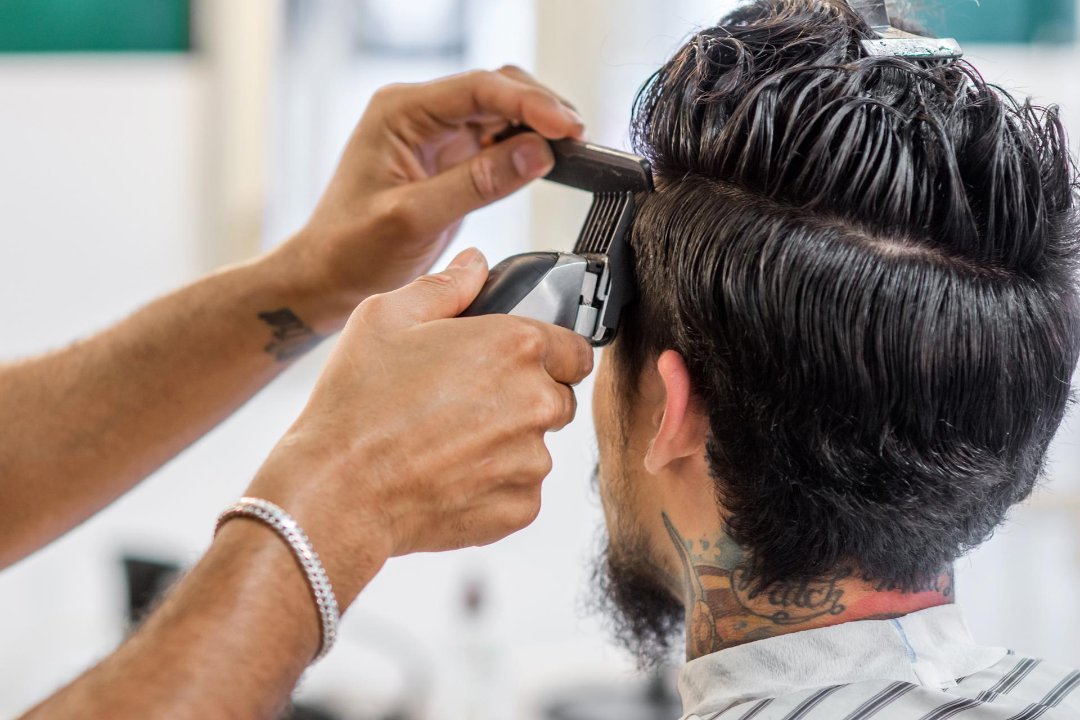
(85, 424)
(426, 432)
(421, 158)
(391, 457)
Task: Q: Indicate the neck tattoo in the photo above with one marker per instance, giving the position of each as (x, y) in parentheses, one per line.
(724, 608)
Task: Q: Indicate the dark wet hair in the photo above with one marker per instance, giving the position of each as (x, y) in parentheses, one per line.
(868, 265)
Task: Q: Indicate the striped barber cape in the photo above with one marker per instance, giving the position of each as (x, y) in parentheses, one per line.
(923, 666)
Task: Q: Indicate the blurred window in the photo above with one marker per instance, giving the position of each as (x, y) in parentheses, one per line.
(418, 27)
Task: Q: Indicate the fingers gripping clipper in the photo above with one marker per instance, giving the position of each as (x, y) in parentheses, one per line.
(585, 290)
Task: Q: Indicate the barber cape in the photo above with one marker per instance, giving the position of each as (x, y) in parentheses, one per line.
(923, 666)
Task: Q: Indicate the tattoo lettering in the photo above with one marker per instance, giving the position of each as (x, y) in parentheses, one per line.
(942, 584)
(292, 337)
(790, 603)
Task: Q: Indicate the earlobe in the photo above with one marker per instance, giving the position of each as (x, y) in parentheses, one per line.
(681, 428)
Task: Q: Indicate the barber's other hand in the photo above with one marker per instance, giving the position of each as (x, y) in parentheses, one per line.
(420, 159)
(425, 433)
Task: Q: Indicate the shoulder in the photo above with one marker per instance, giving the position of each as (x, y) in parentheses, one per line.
(1015, 687)
(1019, 680)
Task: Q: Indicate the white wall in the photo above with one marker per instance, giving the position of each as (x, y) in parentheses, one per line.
(100, 166)
(101, 175)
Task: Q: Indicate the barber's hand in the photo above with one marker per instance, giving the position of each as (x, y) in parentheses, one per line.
(425, 433)
(420, 159)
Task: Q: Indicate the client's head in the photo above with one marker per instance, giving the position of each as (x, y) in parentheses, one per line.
(854, 334)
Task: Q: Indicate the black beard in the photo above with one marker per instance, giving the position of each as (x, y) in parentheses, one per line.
(639, 612)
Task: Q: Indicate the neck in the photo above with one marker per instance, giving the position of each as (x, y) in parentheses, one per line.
(724, 609)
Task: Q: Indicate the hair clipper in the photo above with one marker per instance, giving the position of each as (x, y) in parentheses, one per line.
(584, 290)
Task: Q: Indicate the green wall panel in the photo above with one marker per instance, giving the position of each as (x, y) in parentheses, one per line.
(57, 26)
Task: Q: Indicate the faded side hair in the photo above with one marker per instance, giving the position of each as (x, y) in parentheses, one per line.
(869, 267)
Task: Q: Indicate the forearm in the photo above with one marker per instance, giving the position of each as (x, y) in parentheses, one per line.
(82, 425)
(378, 465)
(231, 640)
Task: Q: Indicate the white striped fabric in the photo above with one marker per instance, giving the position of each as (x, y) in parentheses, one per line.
(923, 666)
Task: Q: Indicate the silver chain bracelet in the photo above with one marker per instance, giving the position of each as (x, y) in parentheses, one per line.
(284, 525)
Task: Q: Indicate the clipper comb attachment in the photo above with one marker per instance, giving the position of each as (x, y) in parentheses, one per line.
(891, 42)
(608, 218)
(586, 290)
(614, 178)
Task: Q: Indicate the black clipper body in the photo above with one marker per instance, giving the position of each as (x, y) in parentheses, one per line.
(585, 290)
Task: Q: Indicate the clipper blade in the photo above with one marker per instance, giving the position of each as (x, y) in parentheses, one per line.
(891, 42)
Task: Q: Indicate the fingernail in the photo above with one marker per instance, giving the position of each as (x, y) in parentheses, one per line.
(466, 258)
(532, 160)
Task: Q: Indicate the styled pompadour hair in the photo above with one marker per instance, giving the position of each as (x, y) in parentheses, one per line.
(869, 267)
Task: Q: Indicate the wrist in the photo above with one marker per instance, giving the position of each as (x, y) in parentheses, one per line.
(335, 264)
(349, 536)
(320, 299)
(286, 527)
(264, 574)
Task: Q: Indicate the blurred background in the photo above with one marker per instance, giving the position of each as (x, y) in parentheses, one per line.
(145, 142)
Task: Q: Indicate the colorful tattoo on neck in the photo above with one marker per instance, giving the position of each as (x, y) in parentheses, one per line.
(726, 608)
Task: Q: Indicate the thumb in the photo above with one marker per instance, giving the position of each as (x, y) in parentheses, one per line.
(437, 296)
(487, 176)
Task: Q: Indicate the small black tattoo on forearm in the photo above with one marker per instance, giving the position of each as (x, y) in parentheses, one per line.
(292, 337)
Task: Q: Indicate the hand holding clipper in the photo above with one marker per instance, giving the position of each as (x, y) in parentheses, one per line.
(584, 290)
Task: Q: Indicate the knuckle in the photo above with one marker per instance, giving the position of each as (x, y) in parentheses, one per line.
(528, 515)
(370, 309)
(544, 463)
(542, 97)
(529, 340)
(550, 408)
(484, 176)
(530, 509)
(398, 215)
(437, 281)
(560, 408)
(388, 93)
(586, 356)
(479, 77)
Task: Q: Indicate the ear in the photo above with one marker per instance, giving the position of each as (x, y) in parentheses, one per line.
(683, 426)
